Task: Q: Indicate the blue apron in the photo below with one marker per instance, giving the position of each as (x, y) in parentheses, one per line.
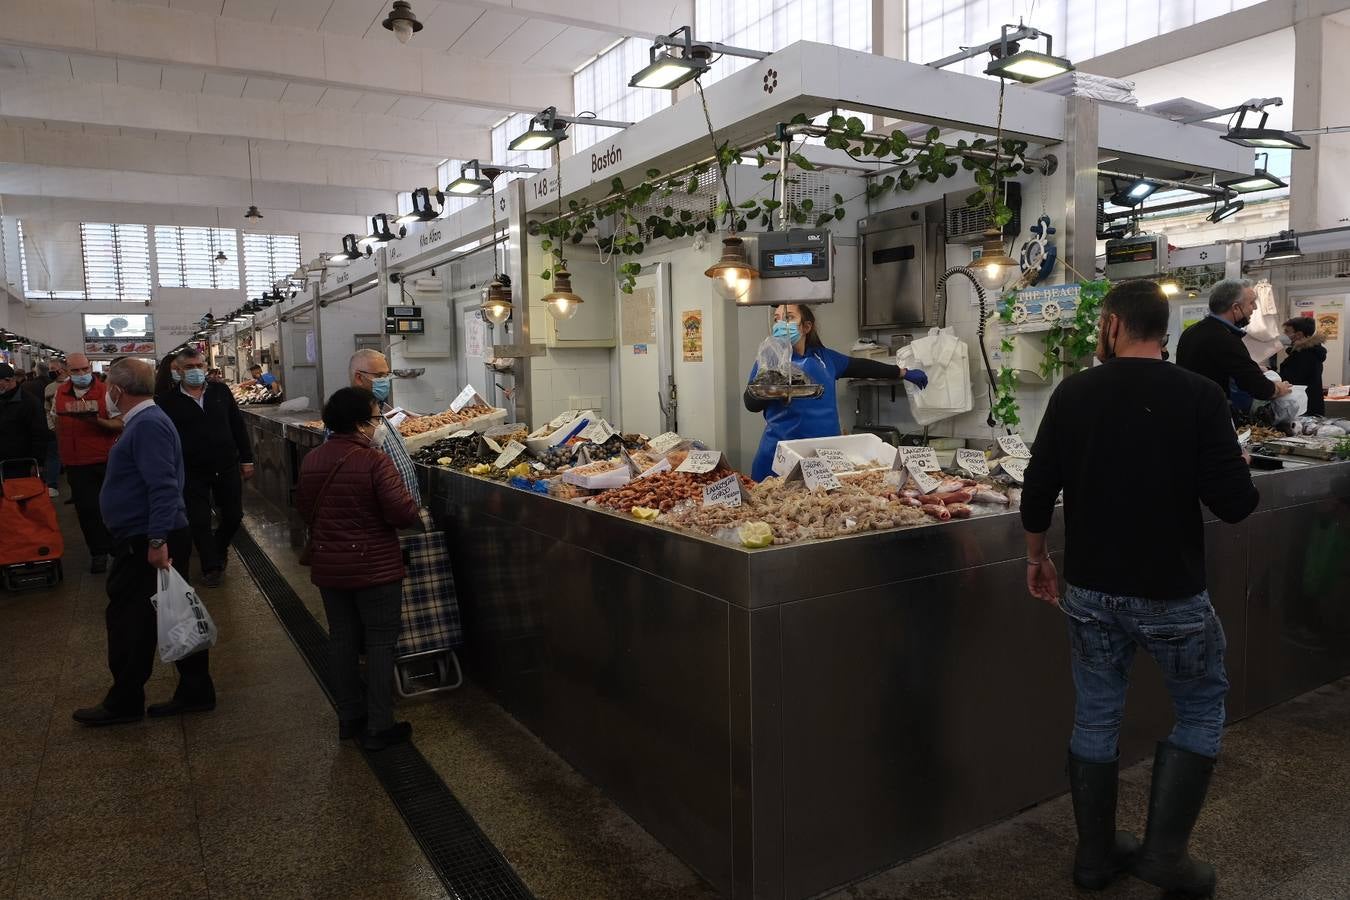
(814, 418)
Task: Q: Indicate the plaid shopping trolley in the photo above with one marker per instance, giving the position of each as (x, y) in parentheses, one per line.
(425, 659)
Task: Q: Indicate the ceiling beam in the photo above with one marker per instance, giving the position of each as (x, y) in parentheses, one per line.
(635, 18)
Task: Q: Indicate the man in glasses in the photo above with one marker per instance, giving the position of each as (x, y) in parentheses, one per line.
(368, 369)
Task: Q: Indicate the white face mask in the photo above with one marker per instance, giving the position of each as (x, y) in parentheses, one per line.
(1286, 340)
(112, 404)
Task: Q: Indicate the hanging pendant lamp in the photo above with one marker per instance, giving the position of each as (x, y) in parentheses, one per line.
(562, 302)
(732, 275)
(252, 213)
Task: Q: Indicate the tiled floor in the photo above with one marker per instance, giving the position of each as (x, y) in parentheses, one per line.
(258, 799)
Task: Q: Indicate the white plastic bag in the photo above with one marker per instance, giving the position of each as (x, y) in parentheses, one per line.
(184, 624)
(1292, 405)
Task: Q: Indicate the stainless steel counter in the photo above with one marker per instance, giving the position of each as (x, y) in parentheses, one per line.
(280, 443)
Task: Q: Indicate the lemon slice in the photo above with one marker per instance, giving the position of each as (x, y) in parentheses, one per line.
(520, 470)
(444, 461)
(755, 535)
(645, 513)
(480, 469)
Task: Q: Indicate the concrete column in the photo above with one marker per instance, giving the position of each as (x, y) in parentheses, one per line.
(1320, 181)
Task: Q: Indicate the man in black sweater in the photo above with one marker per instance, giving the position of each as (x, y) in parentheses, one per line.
(1213, 346)
(217, 456)
(1136, 445)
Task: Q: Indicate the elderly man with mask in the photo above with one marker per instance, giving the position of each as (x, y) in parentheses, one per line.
(1213, 346)
(368, 369)
(87, 426)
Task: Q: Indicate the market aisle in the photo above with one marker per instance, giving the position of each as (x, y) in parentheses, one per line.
(256, 798)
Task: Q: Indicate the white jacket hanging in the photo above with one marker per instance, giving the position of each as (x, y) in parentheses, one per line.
(945, 359)
(1264, 329)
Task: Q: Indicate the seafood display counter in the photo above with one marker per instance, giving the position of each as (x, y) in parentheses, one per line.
(793, 718)
(280, 441)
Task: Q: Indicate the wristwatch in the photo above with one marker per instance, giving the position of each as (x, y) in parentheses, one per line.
(156, 543)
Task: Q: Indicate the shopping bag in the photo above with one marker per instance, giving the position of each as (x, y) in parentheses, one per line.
(430, 612)
(185, 626)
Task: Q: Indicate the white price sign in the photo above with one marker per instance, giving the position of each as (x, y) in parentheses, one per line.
(924, 456)
(492, 445)
(664, 443)
(724, 492)
(835, 458)
(467, 432)
(597, 432)
(508, 454)
(465, 397)
(563, 419)
(818, 475)
(972, 461)
(1013, 445)
(700, 461)
(1015, 466)
(396, 416)
(925, 482)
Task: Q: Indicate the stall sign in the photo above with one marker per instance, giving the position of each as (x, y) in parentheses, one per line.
(835, 458)
(728, 492)
(396, 416)
(924, 456)
(972, 461)
(816, 473)
(509, 454)
(465, 397)
(1015, 466)
(664, 443)
(926, 483)
(699, 462)
(1013, 445)
(597, 432)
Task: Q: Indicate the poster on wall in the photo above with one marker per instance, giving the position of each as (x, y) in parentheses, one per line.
(1329, 323)
(1192, 313)
(475, 337)
(119, 334)
(691, 330)
(638, 317)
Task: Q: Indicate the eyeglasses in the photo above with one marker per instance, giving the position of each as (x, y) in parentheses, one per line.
(383, 374)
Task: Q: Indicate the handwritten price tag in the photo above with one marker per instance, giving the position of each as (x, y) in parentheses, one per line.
(508, 454)
(467, 432)
(1013, 445)
(818, 475)
(1015, 466)
(664, 443)
(492, 445)
(924, 456)
(835, 458)
(700, 461)
(724, 492)
(925, 482)
(464, 398)
(597, 432)
(972, 461)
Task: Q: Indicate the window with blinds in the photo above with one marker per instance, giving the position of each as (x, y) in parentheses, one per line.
(116, 261)
(268, 258)
(185, 257)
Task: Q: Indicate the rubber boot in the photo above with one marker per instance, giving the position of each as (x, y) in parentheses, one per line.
(1180, 780)
(1103, 854)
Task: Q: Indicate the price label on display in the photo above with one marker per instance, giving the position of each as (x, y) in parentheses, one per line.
(700, 461)
(835, 458)
(925, 482)
(492, 445)
(467, 432)
(508, 454)
(1013, 445)
(726, 492)
(597, 432)
(972, 461)
(924, 456)
(1015, 466)
(465, 397)
(664, 443)
(818, 475)
(563, 419)
(396, 417)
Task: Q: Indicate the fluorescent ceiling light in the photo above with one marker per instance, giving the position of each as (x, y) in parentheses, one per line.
(1028, 66)
(666, 71)
(1260, 180)
(538, 138)
(1283, 247)
(423, 209)
(1231, 208)
(464, 186)
(1137, 191)
(1261, 136)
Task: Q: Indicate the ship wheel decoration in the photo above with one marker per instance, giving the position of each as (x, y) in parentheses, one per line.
(1039, 254)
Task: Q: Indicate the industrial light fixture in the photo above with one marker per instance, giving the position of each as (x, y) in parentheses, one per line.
(1010, 61)
(351, 249)
(732, 275)
(677, 58)
(553, 129)
(1259, 180)
(497, 306)
(1135, 193)
(1170, 287)
(422, 209)
(562, 302)
(1283, 247)
(252, 214)
(994, 265)
(402, 21)
(381, 232)
(465, 186)
(1261, 136)
(1230, 208)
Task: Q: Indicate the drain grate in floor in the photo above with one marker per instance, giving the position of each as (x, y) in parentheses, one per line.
(469, 866)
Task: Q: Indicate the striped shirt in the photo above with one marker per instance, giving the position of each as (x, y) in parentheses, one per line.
(390, 441)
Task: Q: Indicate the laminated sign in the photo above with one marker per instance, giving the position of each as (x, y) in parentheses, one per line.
(1015, 466)
(835, 458)
(728, 492)
(597, 432)
(664, 443)
(973, 462)
(924, 456)
(1013, 445)
(466, 396)
(701, 461)
(816, 473)
(508, 454)
(925, 482)
(467, 432)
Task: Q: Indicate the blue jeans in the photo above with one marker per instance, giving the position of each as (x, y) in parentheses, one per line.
(1186, 640)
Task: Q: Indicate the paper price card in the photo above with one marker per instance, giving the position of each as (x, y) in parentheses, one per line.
(818, 475)
(508, 454)
(664, 443)
(835, 458)
(1013, 445)
(396, 417)
(492, 445)
(726, 492)
(924, 456)
(700, 461)
(1016, 467)
(597, 432)
(467, 432)
(926, 483)
(563, 419)
(465, 397)
(972, 461)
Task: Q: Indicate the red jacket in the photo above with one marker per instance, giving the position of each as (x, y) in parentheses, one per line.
(81, 441)
(354, 530)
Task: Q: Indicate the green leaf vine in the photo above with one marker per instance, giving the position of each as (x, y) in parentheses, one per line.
(1067, 344)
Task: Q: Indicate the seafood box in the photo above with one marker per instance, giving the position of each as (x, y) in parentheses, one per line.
(864, 451)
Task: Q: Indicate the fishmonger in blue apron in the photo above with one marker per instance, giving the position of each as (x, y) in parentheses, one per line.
(819, 416)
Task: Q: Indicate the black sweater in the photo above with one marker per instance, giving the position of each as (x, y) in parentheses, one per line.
(23, 427)
(1304, 366)
(1136, 445)
(213, 435)
(857, 368)
(1212, 349)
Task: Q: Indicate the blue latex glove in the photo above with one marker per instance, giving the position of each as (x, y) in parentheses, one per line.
(917, 378)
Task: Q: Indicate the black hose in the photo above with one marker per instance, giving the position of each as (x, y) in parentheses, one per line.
(984, 353)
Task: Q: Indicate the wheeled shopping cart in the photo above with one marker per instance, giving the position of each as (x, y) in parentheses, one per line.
(425, 659)
(30, 538)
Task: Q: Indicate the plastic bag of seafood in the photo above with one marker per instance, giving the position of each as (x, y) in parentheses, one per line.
(777, 377)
